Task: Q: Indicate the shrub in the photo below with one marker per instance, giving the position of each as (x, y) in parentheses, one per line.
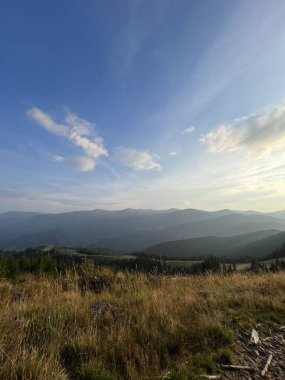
(224, 356)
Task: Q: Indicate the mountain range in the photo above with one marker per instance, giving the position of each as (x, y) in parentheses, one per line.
(257, 245)
(173, 232)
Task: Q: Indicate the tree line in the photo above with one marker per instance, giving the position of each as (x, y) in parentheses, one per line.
(37, 262)
(52, 261)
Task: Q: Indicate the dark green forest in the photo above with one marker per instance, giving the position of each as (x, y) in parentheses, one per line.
(37, 260)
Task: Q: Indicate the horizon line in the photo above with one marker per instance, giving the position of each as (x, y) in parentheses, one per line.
(142, 209)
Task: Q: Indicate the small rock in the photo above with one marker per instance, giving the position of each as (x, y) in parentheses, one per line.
(254, 338)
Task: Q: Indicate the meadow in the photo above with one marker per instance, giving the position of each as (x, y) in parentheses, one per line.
(91, 322)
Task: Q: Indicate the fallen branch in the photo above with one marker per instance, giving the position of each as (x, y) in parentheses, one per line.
(265, 369)
(210, 377)
(238, 367)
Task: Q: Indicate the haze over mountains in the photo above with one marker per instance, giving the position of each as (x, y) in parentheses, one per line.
(257, 244)
(173, 232)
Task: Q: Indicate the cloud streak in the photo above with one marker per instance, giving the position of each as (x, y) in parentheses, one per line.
(82, 164)
(58, 158)
(188, 131)
(254, 135)
(79, 131)
(46, 121)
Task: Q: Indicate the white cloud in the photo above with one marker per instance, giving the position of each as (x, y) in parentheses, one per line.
(136, 159)
(173, 153)
(82, 164)
(188, 131)
(79, 131)
(58, 158)
(79, 126)
(93, 148)
(46, 121)
(254, 135)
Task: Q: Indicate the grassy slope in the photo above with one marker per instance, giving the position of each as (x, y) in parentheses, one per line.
(184, 326)
(268, 262)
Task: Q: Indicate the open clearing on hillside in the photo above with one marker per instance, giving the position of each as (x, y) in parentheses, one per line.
(98, 324)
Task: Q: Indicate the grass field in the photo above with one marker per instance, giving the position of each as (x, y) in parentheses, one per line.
(268, 262)
(109, 256)
(172, 263)
(240, 266)
(60, 328)
(182, 263)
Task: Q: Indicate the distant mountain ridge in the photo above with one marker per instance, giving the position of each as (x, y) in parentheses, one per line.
(255, 244)
(129, 229)
(225, 225)
(11, 217)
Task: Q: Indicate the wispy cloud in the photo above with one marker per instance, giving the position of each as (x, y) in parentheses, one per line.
(173, 153)
(142, 18)
(254, 135)
(238, 183)
(237, 57)
(79, 131)
(82, 164)
(188, 131)
(47, 122)
(137, 159)
(57, 158)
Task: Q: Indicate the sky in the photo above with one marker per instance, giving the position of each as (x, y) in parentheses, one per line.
(142, 104)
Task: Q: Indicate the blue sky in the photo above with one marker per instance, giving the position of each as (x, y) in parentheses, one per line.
(142, 104)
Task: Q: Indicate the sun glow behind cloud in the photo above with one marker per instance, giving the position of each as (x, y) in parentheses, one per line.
(234, 182)
(146, 89)
(255, 135)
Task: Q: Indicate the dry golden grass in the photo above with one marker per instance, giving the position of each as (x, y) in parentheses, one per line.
(182, 326)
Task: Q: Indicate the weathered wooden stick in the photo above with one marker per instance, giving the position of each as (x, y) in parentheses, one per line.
(210, 377)
(265, 369)
(238, 367)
